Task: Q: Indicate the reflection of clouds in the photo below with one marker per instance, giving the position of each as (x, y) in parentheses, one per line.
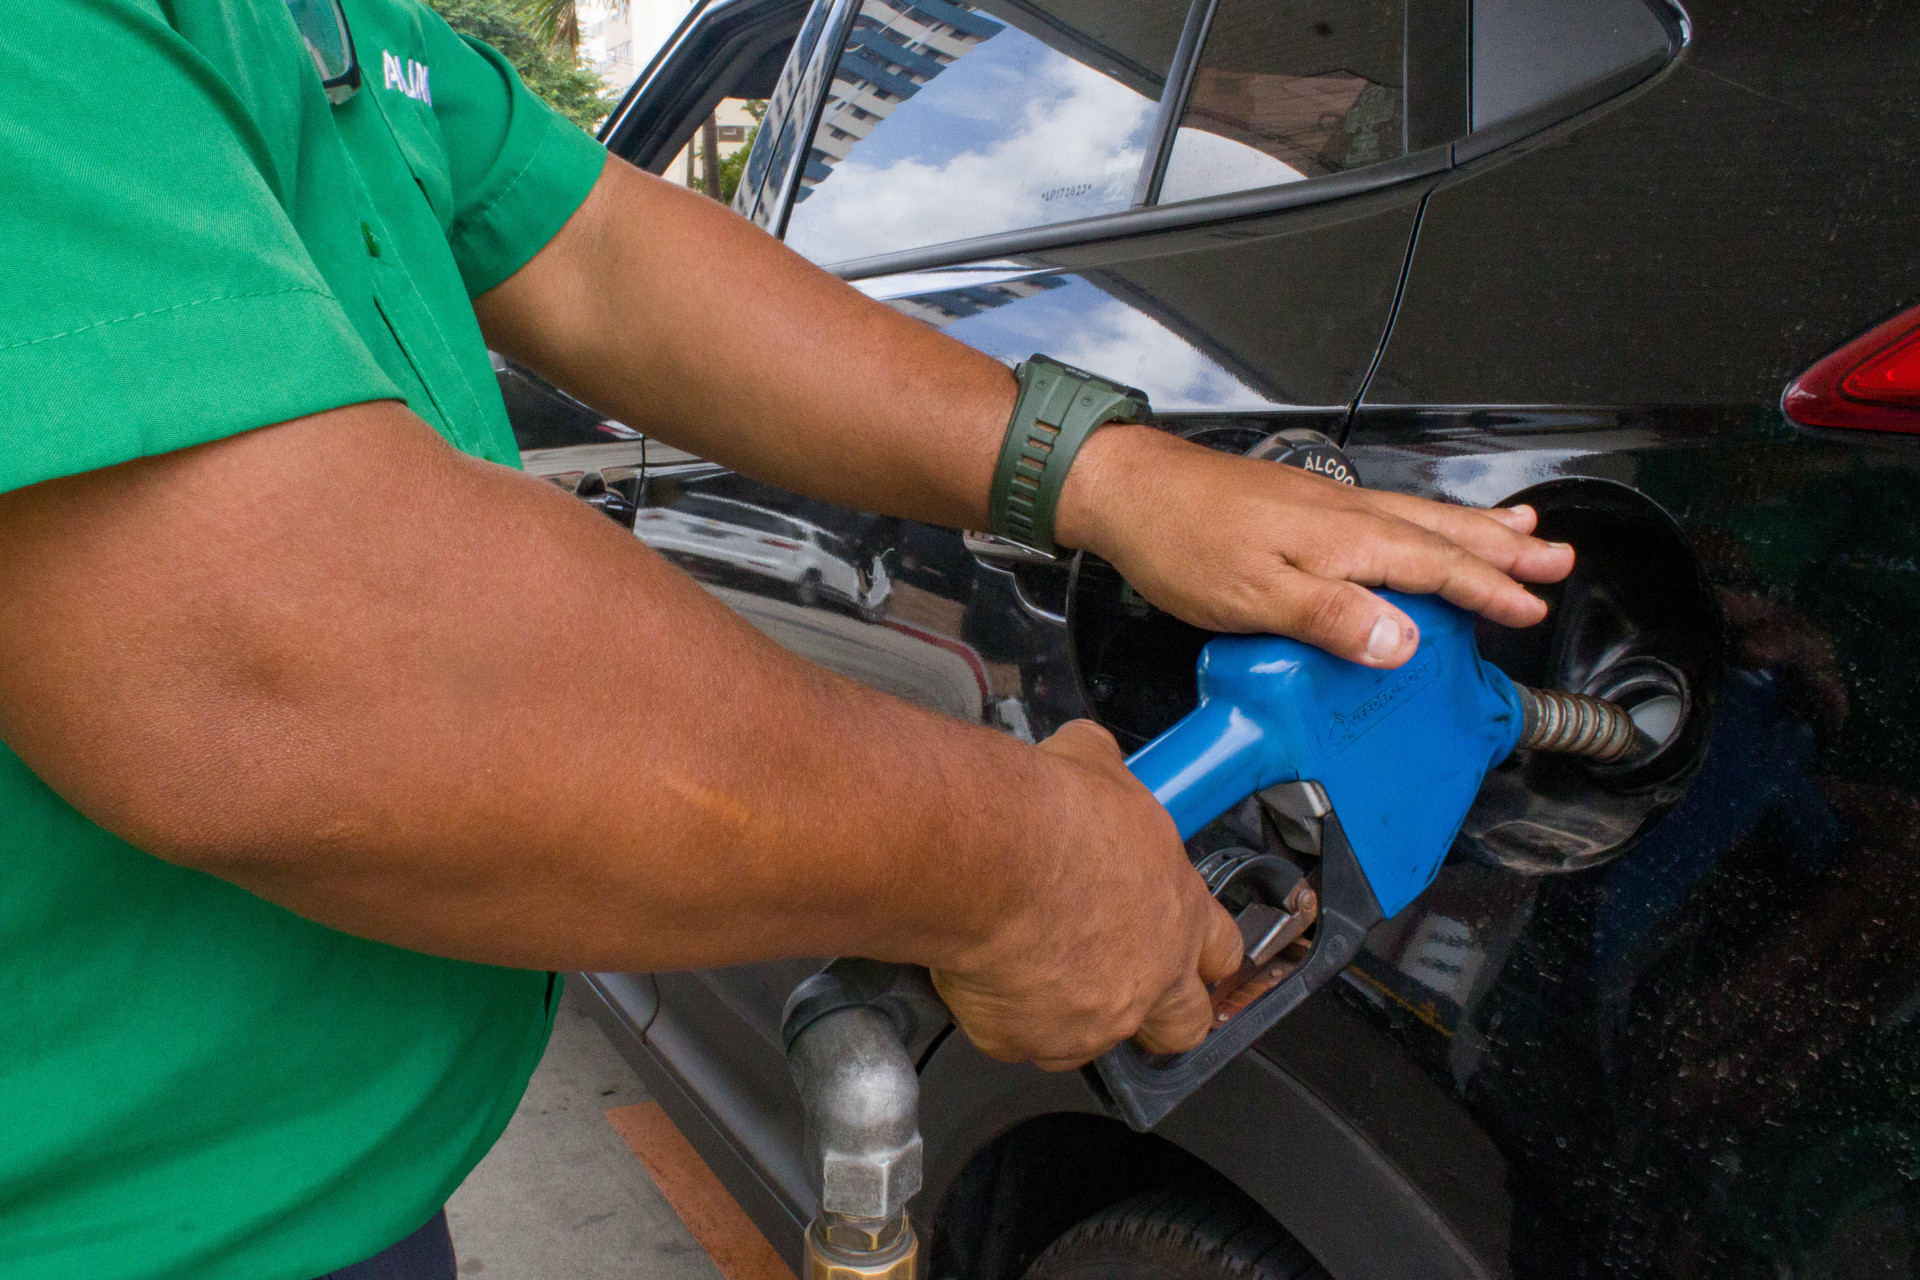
(1464, 478)
(1479, 474)
(1030, 137)
(1083, 326)
(1206, 164)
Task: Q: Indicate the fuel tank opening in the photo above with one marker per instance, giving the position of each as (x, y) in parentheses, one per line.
(1654, 695)
(1634, 625)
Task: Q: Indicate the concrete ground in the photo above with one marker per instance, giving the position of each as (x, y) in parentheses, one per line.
(562, 1197)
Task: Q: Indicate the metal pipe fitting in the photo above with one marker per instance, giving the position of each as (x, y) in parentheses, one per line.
(1574, 724)
(862, 1103)
(847, 1031)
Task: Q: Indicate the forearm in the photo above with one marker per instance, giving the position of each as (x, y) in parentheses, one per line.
(435, 702)
(669, 312)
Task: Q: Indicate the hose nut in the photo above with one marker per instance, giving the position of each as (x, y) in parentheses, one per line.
(897, 1261)
(862, 1236)
(1574, 724)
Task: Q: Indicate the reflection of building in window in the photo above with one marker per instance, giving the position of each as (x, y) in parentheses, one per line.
(942, 309)
(1316, 124)
(895, 47)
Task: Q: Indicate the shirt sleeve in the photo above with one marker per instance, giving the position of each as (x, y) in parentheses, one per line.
(518, 168)
(154, 293)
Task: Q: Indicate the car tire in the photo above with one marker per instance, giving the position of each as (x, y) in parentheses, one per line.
(808, 590)
(1177, 1235)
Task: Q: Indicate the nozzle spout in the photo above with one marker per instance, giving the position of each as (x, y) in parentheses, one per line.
(1574, 724)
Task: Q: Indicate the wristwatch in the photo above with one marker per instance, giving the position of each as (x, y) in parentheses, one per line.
(1059, 406)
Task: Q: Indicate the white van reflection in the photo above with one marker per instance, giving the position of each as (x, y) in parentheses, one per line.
(726, 540)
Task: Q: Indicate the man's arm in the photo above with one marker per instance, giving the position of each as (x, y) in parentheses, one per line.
(781, 371)
(436, 702)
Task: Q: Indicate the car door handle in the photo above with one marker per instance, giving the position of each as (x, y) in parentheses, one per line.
(994, 549)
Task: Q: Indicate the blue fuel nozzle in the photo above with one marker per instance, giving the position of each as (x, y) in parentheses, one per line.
(1399, 755)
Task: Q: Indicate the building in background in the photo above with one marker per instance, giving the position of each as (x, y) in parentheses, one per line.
(619, 37)
(734, 130)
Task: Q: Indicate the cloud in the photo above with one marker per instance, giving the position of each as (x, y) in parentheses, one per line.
(998, 147)
(1093, 330)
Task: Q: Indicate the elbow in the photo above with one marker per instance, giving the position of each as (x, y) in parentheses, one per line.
(233, 819)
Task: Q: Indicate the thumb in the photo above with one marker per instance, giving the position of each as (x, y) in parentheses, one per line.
(1220, 950)
(1346, 620)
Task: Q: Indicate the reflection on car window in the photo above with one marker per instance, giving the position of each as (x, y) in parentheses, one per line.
(1013, 314)
(1290, 89)
(951, 120)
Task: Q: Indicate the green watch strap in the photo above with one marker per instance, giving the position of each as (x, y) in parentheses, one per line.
(1058, 408)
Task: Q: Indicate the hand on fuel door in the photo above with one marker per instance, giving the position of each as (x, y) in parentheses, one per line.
(1111, 935)
(1236, 544)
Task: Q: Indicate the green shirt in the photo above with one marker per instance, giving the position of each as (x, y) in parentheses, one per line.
(194, 243)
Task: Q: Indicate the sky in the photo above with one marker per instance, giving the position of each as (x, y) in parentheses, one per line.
(1011, 135)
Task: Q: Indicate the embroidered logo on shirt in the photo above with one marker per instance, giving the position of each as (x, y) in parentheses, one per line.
(409, 77)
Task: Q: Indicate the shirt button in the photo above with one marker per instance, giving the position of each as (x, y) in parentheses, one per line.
(373, 241)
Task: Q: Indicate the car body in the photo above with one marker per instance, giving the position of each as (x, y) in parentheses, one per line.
(1666, 1025)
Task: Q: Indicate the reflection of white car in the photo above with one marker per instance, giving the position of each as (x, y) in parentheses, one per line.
(721, 534)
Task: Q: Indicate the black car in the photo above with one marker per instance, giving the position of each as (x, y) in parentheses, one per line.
(1655, 1022)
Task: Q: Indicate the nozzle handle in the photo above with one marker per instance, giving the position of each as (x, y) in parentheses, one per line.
(1210, 761)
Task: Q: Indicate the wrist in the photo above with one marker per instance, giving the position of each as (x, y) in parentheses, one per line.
(1015, 867)
(1097, 488)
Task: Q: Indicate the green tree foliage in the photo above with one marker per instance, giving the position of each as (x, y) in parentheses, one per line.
(554, 71)
(731, 167)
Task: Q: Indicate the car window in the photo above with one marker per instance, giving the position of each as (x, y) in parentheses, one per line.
(703, 507)
(742, 516)
(1288, 90)
(949, 120)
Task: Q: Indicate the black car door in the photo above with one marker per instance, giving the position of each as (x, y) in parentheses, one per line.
(1213, 202)
(1680, 1003)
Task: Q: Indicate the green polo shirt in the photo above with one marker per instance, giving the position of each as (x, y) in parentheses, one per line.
(194, 243)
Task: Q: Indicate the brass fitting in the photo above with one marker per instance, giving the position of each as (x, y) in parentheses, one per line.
(828, 1258)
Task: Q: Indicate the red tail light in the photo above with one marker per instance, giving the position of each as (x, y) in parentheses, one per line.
(785, 544)
(1872, 383)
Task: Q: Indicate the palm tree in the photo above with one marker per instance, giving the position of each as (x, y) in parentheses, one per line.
(556, 21)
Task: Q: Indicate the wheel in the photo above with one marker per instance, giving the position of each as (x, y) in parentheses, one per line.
(1177, 1235)
(808, 592)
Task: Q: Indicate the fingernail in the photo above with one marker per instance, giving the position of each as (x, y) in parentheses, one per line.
(1384, 640)
(1561, 546)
